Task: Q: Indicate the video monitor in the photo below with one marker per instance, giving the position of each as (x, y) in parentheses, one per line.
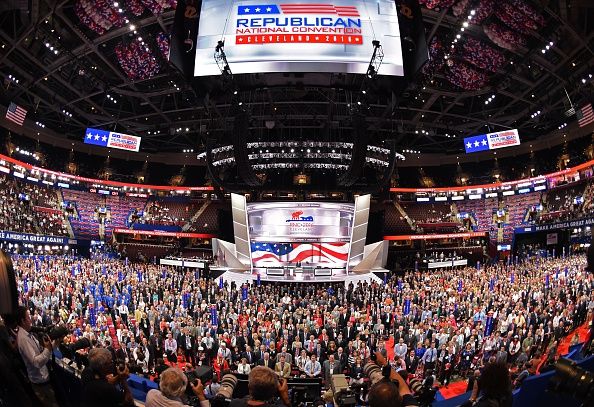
(298, 36)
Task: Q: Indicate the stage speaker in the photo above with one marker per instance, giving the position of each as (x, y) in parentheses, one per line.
(184, 35)
(8, 286)
(361, 141)
(412, 33)
(241, 129)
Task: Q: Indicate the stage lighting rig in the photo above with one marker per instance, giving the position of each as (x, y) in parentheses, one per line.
(221, 60)
(376, 60)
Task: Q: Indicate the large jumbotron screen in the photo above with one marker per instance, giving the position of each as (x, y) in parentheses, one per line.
(310, 233)
(298, 36)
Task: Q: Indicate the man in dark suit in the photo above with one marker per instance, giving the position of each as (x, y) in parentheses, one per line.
(330, 367)
(349, 332)
(267, 362)
(343, 318)
(342, 358)
(241, 342)
(382, 332)
(260, 353)
(188, 345)
(412, 362)
(250, 356)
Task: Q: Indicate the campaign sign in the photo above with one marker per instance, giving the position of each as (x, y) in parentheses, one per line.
(112, 139)
(492, 141)
(34, 239)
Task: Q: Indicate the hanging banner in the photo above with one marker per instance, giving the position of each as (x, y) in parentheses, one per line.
(35, 239)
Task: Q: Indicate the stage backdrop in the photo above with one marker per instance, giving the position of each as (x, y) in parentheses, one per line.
(314, 233)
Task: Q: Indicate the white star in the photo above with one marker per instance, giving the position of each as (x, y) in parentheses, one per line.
(357, 39)
(96, 136)
(89, 136)
(246, 10)
(240, 39)
(317, 38)
(268, 9)
(469, 145)
(476, 144)
(257, 9)
(104, 138)
(484, 142)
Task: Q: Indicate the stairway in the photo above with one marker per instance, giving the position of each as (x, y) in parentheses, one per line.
(102, 231)
(196, 215)
(112, 333)
(66, 219)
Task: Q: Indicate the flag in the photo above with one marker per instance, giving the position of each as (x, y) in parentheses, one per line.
(267, 254)
(17, 114)
(585, 115)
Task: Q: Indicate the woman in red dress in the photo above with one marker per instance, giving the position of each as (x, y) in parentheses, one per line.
(220, 365)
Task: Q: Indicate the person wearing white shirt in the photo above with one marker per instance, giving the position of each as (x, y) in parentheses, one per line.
(123, 311)
(170, 345)
(244, 367)
(35, 356)
(313, 368)
(401, 349)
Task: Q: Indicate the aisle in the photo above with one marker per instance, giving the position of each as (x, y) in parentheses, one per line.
(564, 343)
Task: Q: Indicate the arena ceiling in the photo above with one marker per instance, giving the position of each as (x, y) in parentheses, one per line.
(83, 85)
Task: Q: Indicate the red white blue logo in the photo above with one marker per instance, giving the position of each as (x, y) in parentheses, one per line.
(297, 216)
(271, 9)
(298, 23)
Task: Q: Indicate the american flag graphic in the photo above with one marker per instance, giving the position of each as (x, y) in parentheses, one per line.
(16, 114)
(277, 254)
(585, 115)
(303, 8)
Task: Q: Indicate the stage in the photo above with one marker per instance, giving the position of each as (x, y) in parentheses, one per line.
(239, 276)
(301, 273)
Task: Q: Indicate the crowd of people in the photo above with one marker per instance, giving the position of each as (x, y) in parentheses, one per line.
(443, 324)
(30, 209)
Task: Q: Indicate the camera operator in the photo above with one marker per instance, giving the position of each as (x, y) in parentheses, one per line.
(172, 386)
(393, 392)
(264, 386)
(100, 387)
(495, 387)
(36, 356)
